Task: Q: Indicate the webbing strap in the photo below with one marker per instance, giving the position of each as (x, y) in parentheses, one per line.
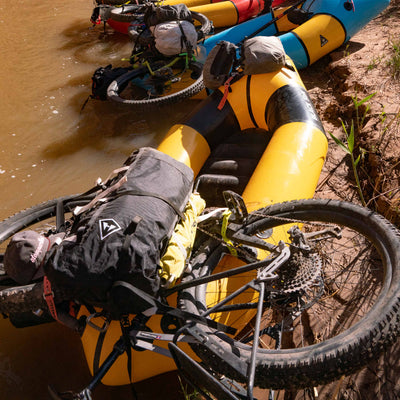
(224, 227)
(185, 41)
(227, 85)
(101, 196)
(97, 352)
(48, 295)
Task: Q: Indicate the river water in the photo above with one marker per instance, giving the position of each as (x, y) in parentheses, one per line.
(50, 148)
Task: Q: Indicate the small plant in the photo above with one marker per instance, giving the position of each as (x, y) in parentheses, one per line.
(348, 147)
(346, 51)
(383, 116)
(387, 127)
(374, 62)
(394, 61)
(360, 117)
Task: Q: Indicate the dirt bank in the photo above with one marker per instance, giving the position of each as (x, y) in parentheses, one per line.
(359, 84)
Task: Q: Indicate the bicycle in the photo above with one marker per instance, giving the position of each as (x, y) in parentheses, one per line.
(262, 285)
(156, 81)
(159, 77)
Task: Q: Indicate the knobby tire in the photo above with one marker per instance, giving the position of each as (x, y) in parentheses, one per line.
(16, 298)
(118, 85)
(358, 287)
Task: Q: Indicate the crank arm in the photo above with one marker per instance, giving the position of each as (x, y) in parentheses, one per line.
(253, 241)
(85, 394)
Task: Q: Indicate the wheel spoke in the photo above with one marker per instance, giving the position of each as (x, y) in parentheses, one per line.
(337, 279)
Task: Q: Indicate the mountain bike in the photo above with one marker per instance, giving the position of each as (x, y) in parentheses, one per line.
(292, 295)
(160, 75)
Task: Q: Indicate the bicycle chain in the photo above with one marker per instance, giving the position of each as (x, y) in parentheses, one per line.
(297, 275)
(292, 220)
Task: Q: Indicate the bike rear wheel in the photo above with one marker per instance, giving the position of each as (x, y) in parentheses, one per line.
(331, 309)
(135, 88)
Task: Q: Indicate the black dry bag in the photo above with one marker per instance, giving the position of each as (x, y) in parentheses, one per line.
(122, 234)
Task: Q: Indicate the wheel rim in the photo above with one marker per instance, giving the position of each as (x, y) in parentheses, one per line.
(335, 298)
(40, 218)
(328, 281)
(167, 86)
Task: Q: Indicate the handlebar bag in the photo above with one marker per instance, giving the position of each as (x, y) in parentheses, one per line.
(122, 233)
(219, 64)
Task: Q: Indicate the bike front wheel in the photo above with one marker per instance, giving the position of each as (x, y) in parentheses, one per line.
(332, 307)
(46, 218)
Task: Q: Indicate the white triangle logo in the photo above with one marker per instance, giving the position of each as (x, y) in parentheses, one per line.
(323, 40)
(107, 227)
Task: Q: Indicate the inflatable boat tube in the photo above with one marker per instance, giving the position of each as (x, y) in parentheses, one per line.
(226, 13)
(221, 13)
(275, 102)
(288, 169)
(332, 23)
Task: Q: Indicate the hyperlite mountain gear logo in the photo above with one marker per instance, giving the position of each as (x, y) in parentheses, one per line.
(107, 227)
(323, 40)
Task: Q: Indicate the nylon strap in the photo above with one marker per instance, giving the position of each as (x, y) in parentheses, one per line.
(225, 219)
(185, 41)
(227, 85)
(101, 196)
(97, 352)
(48, 295)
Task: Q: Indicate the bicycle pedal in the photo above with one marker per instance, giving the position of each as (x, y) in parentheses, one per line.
(236, 204)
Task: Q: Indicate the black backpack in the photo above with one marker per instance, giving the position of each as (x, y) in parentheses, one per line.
(123, 233)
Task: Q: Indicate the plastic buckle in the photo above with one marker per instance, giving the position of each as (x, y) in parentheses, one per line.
(45, 294)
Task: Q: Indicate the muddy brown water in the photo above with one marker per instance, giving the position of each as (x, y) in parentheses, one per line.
(49, 149)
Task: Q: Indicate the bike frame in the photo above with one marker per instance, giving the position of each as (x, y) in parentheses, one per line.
(138, 339)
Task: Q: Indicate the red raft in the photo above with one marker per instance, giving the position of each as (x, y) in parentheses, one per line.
(222, 13)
